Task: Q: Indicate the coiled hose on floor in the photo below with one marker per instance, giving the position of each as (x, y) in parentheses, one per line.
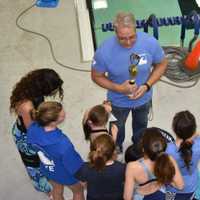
(175, 71)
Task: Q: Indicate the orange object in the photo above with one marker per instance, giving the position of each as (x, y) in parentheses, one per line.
(192, 60)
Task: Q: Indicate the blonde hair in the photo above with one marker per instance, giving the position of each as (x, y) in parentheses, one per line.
(124, 19)
(47, 112)
(101, 150)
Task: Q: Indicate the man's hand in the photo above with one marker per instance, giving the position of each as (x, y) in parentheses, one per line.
(127, 88)
(139, 92)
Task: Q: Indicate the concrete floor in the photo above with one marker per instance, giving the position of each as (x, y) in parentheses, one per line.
(21, 52)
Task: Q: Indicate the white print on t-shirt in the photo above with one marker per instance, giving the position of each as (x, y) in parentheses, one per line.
(143, 59)
(48, 163)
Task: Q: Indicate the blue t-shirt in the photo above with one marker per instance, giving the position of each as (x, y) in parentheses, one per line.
(190, 177)
(114, 59)
(59, 159)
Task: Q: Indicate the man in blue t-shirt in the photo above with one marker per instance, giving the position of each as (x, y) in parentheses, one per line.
(110, 70)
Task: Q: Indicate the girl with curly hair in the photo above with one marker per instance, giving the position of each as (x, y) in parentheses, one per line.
(26, 95)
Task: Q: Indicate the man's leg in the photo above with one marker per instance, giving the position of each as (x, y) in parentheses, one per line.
(139, 121)
(121, 114)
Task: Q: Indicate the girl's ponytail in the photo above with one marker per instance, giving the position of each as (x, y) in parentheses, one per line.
(102, 149)
(186, 152)
(97, 159)
(154, 146)
(164, 169)
(46, 112)
(184, 126)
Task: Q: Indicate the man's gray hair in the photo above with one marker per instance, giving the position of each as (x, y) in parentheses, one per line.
(124, 19)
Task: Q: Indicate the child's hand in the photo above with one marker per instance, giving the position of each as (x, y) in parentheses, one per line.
(114, 131)
(83, 184)
(85, 117)
(107, 106)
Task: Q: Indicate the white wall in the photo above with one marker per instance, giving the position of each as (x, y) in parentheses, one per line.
(85, 30)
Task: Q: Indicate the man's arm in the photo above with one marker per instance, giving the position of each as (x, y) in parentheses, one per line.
(102, 80)
(157, 72)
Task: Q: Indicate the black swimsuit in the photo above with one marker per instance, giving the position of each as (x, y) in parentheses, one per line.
(99, 130)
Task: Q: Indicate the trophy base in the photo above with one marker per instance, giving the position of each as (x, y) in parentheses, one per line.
(132, 82)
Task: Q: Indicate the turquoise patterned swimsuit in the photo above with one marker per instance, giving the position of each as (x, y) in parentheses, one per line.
(29, 157)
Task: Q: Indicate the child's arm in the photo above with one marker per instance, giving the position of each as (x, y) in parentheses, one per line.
(24, 111)
(85, 117)
(82, 175)
(114, 132)
(85, 125)
(178, 181)
(129, 182)
(107, 105)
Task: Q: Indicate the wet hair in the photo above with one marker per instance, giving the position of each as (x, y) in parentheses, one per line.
(98, 116)
(184, 126)
(154, 146)
(36, 84)
(124, 19)
(101, 150)
(47, 112)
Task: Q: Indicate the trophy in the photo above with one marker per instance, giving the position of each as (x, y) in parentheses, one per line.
(134, 60)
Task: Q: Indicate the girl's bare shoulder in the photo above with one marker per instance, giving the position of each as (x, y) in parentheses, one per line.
(24, 107)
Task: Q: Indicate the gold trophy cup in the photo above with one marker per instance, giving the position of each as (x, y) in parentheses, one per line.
(133, 69)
